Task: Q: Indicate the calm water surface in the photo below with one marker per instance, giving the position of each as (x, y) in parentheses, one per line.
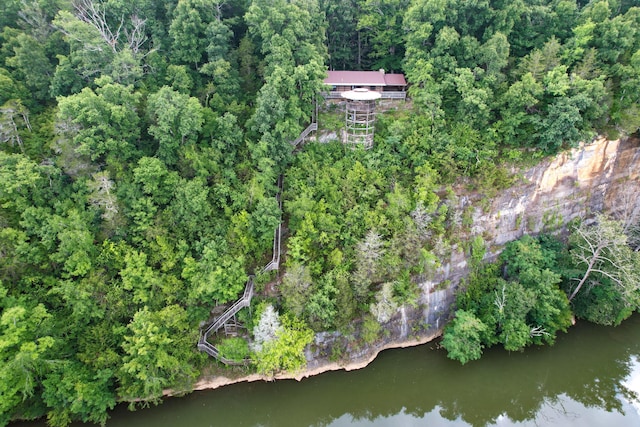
(590, 377)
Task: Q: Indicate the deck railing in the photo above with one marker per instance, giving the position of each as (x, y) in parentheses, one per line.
(312, 127)
(394, 95)
(384, 95)
(245, 299)
(243, 302)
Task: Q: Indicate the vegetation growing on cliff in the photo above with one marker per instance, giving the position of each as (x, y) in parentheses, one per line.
(141, 142)
(515, 302)
(530, 293)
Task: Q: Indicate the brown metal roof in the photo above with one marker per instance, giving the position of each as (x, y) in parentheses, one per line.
(355, 78)
(395, 80)
(364, 78)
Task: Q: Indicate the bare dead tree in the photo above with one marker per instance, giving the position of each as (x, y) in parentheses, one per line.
(218, 5)
(501, 299)
(9, 127)
(136, 36)
(71, 161)
(368, 253)
(371, 248)
(385, 304)
(602, 248)
(296, 288)
(94, 15)
(102, 196)
(32, 17)
(267, 328)
(538, 331)
(422, 219)
(67, 128)
(9, 133)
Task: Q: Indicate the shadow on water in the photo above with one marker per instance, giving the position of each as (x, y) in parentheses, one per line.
(590, 365)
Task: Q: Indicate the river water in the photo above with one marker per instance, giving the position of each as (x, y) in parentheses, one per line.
(590, 377)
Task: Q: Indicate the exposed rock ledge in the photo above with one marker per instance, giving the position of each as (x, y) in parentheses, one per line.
(327, 366)
(574, 184)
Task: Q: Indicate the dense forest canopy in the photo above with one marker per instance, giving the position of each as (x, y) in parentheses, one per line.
(141, 143)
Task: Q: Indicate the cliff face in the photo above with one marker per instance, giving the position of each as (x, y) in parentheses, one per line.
(576, 184)
(572, 185)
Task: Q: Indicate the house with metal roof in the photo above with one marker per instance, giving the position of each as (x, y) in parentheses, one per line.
(389, 85)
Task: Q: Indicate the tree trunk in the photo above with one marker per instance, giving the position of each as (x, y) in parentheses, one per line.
(593, 260)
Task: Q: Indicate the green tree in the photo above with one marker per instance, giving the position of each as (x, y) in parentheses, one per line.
(32, 65)
(285, 353)
(25, 346)
(10, 88)
(217, 276)
(72, 241)
(381, 23)
(512, 303)
(344, 41)
(235, 348)
(156, 180)
(140, 278)
(74, 392)
(176, 120)
(528, 263)
(320, 309)
(462, 337)
(9, 13)
(157, 347)
(291, 36)
(520, 304)
(189, 213)
(21, 180)
(104, 122)
(187, 30)
(225, 85)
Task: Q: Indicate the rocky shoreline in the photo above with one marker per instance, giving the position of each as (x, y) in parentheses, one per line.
(320, 367)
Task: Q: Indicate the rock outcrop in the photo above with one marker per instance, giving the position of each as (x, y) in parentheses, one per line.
(549, 196)
(574, 184)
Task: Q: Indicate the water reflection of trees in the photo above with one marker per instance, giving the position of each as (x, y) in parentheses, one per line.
(588, 365)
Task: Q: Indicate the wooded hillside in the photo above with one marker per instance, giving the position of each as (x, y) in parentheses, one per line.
(141, 142)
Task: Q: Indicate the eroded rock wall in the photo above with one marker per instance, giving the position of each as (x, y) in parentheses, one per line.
(572, 185)
(575, 184)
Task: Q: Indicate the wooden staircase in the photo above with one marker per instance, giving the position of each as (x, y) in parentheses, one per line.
(245, 300)
(203, 343)
(312, 127)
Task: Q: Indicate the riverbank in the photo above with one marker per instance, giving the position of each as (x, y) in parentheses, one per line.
(588, 377)
(320, 366)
